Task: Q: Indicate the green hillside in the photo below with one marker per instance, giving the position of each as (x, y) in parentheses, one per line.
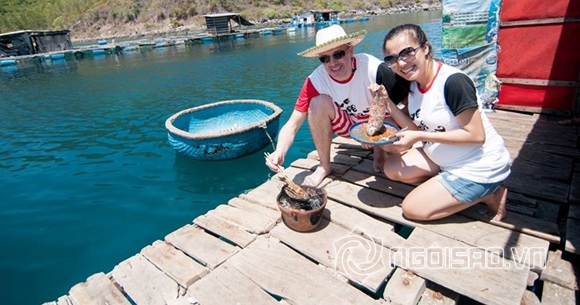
(110, 18)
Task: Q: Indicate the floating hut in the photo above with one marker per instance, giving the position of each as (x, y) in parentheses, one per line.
(309, 18)
(218, 24)
(34, 42)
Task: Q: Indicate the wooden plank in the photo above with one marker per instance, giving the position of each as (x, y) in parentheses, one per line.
(364, 175)
(205, 248)
(145, 284)
(525, 167)
(404, 287)
(572, 236)
(529, 298)
(437, 295)
(225, 229)
(360, 223)
(534, 157)
(475, 233)
(364, 261)
(265, 194)
(284, 273)
(251, 222)
(574, 197)
(254, 207)
(574, 211)
(227, 285)
(560, 271)
(64, 300)
(178, 266)
(538, 82)
(97, 289)
(470, 271)
(556, 294)
(535, 227)
(545, 189)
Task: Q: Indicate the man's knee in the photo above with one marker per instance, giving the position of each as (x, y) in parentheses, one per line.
(321, 104)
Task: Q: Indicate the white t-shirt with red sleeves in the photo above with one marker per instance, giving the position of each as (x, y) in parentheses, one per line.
(351, 96)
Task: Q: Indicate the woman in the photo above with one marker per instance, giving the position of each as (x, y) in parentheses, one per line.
(459, 159)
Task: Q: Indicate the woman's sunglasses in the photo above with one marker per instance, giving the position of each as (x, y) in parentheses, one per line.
(405, 55)
(336, 55)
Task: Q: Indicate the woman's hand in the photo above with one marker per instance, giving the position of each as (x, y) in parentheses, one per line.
(407, 138)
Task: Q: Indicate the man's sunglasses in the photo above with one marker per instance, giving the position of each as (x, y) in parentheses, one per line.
(405, 55)
(336, 55)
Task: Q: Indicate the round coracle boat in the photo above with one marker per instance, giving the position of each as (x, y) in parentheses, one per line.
(223, 130)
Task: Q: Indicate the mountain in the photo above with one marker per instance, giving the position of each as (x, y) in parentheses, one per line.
(97, 19)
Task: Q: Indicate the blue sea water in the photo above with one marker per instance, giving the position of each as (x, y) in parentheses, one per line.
(87, 178)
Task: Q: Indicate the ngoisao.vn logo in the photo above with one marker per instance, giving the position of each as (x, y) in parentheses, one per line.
(359, 254)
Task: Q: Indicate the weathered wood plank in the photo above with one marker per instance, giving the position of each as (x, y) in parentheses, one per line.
(529, 298)
(178, 266)
(97, 289)
(252, 222)
(364, 261)
(225, 229)
(64, 300)
(435, 294)
(574, 211)
(536, 170)
(560, 271)
(283, 272)
(360, 223)
(470, 271)
(363, 175)
(546, 189)
(545, 158)
(145, 284)
(227, 285)
(475, 233)
(556, 294)
(404, 288)
(532, 226)
(575, 189)
(254, 207)
(205, 248)
(572, 236)
(264, 194)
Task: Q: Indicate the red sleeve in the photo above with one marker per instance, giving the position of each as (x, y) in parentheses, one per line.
(306, 94)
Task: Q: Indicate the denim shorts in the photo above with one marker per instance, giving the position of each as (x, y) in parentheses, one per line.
(466, 191)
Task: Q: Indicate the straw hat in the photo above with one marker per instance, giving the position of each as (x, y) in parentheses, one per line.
(332, 37)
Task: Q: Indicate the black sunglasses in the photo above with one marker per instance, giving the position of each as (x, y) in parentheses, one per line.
(405, 55)
(336, 55)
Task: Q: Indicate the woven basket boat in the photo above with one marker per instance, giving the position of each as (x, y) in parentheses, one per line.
(223, 130)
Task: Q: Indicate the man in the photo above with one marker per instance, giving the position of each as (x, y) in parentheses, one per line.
(334, 97)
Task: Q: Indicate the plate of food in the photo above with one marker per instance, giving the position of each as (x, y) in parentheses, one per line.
(385, 135)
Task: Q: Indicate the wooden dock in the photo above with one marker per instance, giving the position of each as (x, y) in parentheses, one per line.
(365, 251)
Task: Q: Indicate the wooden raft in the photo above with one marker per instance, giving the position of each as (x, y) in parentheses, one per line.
(365, 251)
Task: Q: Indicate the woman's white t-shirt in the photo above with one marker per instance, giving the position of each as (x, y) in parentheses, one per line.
(434, 110)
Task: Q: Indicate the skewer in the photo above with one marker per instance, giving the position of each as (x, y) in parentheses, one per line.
(294, 190)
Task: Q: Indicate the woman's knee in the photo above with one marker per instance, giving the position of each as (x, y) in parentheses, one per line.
(415, 212)
(392, 171)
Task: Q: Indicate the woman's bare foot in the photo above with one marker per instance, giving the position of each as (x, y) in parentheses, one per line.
(316, 178)
(496, 203)
(378, 159)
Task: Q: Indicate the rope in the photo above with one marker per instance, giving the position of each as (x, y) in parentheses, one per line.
(265, 127)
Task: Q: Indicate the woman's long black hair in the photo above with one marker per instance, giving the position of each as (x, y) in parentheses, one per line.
(418, 36)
